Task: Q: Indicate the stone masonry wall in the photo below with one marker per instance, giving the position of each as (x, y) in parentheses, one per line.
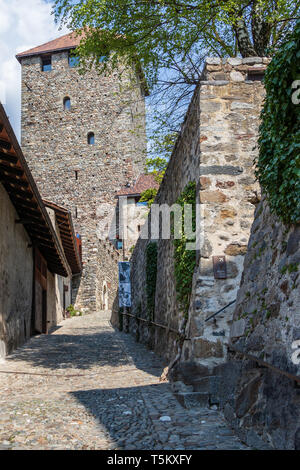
(16, 279)
(183, 168)
(264, 406)
(67, 170)
(230, 105)
(215, 149)
(107, 276)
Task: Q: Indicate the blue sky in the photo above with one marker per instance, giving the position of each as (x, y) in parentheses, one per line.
(23, 24)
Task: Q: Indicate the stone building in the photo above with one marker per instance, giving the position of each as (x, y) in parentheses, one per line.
(131, 213)
(84, 138)
(38, 255)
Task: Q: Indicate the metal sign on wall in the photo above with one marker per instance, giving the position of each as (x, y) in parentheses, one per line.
(124, 284)
(220, 268)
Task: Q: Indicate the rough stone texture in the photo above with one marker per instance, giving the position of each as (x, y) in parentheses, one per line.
(16, 277)
(67, 170)
(107, 277)
(263, 403)
(109, 398)
(215, 149)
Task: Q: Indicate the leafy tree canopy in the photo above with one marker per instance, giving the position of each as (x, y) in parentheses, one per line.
(170, 38)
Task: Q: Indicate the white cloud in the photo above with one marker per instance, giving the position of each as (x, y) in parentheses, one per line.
(23, 24)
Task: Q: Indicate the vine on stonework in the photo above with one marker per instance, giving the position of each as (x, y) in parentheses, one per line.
(278, 164)
(185, 260)
(151, 276)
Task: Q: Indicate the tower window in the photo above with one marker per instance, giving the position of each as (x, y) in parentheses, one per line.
(67, 103)
(91, 138)
(73, 61)
(46, 63)
(76, 175)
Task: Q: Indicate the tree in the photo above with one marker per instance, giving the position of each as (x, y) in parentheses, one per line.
(170, 39)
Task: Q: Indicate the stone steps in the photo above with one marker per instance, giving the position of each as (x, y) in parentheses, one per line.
(193, 399)
(204, 394)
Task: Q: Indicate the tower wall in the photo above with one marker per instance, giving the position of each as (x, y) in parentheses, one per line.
(67, 170)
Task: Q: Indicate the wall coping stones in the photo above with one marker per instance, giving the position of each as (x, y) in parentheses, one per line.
(234, 61)
(214, 82)
(252, 60)
(213, 60)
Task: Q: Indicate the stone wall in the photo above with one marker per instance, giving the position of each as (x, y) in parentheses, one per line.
(264, 406)
(107, 277)
(16, 279)
(230, 105)
(67, 170)
(183, 168)
(216, 150)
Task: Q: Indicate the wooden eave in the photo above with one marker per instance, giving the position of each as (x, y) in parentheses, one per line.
(67, 235)
(17, 180)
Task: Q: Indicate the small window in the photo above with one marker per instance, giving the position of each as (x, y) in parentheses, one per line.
(46, 63)
(91, 138)
(73, 61)
(76, 175)
(67, 103)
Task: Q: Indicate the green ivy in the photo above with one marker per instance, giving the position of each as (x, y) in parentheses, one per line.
(148, 196)
(185, 260)
(73, 312)
(278, 165)
(151, 275)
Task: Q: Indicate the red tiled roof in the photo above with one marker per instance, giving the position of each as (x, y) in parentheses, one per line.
(68, 41)
(143, 182)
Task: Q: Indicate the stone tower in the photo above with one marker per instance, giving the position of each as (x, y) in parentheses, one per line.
(84, 138)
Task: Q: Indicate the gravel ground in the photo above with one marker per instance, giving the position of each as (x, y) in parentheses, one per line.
(87, 386)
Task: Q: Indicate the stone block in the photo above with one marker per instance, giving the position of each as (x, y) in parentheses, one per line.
(293, 243)
(213, 60)
(204, 349)
(212, 196)
(247, 397)
(240, 105)
(238, 328)
(252, 60)
(237, 76)
(228, 213)
(221, 170)
(234, 61)
(235, 249)
(205, 182)
(187, 371)
(192, 400)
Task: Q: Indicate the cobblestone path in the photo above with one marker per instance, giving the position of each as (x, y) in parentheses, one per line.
(97, 389)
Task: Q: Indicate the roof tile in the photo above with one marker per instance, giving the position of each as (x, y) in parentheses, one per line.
(143, 183)
(68, 41)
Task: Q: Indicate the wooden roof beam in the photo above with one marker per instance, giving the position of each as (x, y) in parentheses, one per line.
(5, 144)
(15, 181)
(8, 157)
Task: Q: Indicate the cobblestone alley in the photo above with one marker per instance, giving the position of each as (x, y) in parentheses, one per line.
(87, 386)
